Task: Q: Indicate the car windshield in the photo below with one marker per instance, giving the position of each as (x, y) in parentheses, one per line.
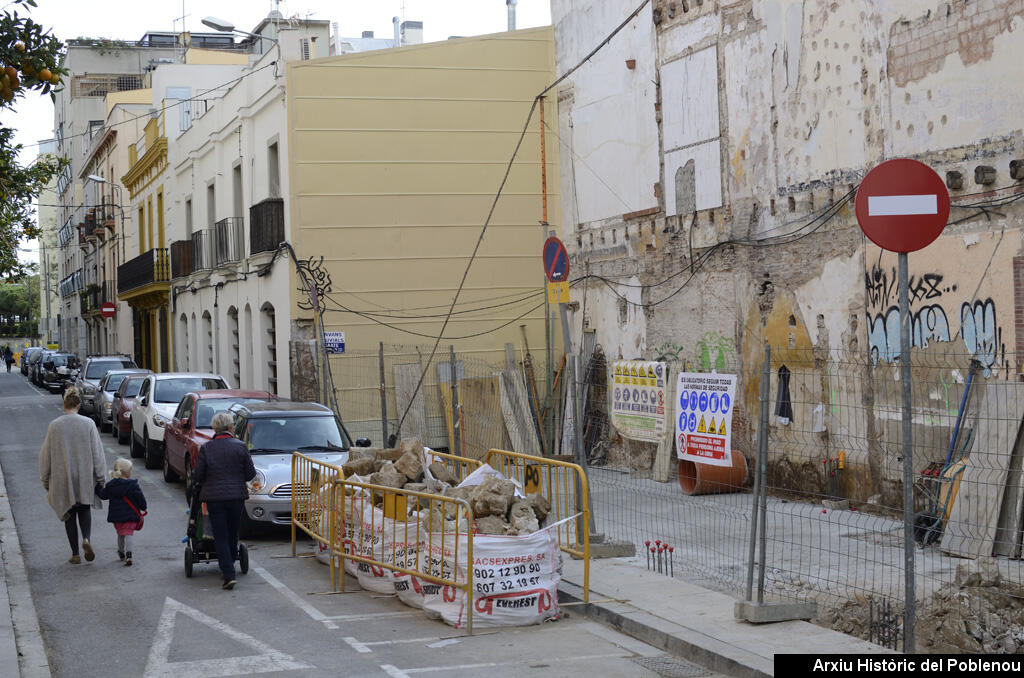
(64, 360)
(172, 390)
(114, 381)
(131, 389)
(286, 434)
(98, 368)
(206, 408)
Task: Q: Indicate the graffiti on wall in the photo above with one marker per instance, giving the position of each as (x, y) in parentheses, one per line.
(933, 305)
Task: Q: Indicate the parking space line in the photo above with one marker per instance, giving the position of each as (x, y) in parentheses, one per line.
(396, 672)
(364, 647)
(314, 613)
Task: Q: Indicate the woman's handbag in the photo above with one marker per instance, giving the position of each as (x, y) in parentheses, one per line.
(142, 515)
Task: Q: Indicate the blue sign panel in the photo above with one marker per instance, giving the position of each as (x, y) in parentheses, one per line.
(334, 342)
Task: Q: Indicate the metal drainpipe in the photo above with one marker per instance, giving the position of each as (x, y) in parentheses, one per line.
(511, 14)
(398, 33)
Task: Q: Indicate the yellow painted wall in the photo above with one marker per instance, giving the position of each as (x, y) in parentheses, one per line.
(395, 158)
(132, 96)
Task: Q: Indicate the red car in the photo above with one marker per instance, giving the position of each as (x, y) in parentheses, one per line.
(190, 427)
(121, 406)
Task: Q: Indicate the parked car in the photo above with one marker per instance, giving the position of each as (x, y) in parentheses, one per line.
(92, 371)
(121, 407)
(57, 371)
(35, 365)
(158, 398)
(272, 431)
(103, 401)
(26, 358)
(189, 428)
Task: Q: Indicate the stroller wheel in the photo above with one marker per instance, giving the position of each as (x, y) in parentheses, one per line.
(243, 558)
(188, 561)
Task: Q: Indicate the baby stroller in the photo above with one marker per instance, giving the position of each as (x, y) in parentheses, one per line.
(199, 546)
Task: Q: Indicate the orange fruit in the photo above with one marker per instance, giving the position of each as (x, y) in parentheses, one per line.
(55, 79)
(20, 46)
(44, 74)
(7, 95)
(11, 72)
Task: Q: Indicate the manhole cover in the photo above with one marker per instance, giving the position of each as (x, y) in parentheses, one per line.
(671, 667)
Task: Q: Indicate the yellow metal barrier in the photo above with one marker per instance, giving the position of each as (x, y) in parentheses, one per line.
(382, 539)
(311, 482)
(564, 485)
(460, 467)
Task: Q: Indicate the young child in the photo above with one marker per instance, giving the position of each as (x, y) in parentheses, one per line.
(121, 490)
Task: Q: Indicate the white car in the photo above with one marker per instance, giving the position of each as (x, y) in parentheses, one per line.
(158, 398)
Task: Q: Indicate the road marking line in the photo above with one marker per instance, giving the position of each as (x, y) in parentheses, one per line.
(158, 666)
(314, 613)
(902, 205)
(396, 672)
(364, 646)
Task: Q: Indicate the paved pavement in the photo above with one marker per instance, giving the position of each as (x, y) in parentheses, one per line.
(662, 614)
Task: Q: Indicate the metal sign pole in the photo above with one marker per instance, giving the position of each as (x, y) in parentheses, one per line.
(908, 459)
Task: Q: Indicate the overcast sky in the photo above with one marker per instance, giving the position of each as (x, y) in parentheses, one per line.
(33, 116)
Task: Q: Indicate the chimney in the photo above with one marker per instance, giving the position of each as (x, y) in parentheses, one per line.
(367, 34)
(398, 35)
(511, 14)
(412, 32)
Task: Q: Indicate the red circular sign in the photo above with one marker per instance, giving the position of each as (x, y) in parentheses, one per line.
(556, 260)
(902, 205)
(109, 310)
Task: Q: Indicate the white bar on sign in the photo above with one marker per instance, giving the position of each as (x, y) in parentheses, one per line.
(901, 205)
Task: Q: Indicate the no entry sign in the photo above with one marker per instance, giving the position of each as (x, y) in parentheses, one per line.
(108, 310)
(902, 205)
(556, 260)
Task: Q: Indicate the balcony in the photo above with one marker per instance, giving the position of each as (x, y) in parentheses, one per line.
(229, 240)
(95, 295)
(92, 229)
(181, 259)
(145, 274)
(70, 284)
(266, 225)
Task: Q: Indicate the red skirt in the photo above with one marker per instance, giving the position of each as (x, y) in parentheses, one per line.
(125, 529)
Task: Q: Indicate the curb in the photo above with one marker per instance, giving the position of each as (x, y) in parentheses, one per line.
(657, 632)
(21, 650)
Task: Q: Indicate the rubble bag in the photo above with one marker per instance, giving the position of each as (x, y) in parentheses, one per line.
(437, 558)
(515, 581)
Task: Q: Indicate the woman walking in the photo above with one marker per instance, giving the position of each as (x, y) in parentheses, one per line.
(223, 469)
(71, 463)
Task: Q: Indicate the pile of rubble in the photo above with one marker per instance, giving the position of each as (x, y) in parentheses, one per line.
(499, 507)
(978, 612)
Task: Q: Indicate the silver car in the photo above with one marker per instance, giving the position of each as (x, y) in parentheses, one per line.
(272, 431)
(93, 369)
(103, 399)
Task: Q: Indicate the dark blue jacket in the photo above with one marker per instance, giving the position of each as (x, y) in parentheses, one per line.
(118, 511)
(223, 468)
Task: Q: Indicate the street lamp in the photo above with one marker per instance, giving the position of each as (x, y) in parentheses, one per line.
(228, 27)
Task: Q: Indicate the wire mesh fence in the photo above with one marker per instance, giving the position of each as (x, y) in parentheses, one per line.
(833, 518)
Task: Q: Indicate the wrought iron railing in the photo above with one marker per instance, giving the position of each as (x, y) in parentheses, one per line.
(266, 225)
(145, 269)
(202, 250)
(230, 245)
(181, 258)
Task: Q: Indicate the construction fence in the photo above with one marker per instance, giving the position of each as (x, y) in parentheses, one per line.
(833, 528)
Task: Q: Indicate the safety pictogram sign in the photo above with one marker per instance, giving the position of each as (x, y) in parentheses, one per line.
(704, 417)
(638, 399)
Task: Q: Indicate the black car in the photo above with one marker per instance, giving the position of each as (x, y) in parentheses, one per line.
(57, 371)
(26, 358)
(35, 365)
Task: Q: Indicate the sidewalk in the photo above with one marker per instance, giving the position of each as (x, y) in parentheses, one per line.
(693, 622)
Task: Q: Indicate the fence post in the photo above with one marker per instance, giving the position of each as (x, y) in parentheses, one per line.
(761, 433)
(762, 471)
(456, 428)
(383, 402)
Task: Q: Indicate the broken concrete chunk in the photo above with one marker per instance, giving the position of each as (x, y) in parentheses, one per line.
(982, 572)
(492, 497)
(389, 476)
(441, 472)
(415, 487)
(357, 453)
(541, 506)
(411, 464)
(388, 455)
(492, 525)
(522, 518)
(359, 467)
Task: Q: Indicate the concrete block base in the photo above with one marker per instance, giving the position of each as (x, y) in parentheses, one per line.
(602, 548)
(767, 613)
(836, 505)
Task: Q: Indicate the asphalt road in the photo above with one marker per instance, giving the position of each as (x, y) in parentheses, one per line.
(104, 619)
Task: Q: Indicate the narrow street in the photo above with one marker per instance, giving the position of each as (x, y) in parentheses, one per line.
(104, 619)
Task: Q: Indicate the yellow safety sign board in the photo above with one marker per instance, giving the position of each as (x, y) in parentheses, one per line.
(558, 292)
(721, 427)
(702, 428)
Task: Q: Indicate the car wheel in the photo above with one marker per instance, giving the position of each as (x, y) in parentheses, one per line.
(150, 451)
(188, 562)
(122, 437)
(188, 470)
(104, 426)
(137, 450)
(243, 558)
(169, 475)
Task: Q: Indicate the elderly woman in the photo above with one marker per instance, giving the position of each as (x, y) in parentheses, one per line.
(71, 464)
(223, 469)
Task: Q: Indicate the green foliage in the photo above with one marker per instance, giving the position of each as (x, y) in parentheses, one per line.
(30, 60)
(19, 307)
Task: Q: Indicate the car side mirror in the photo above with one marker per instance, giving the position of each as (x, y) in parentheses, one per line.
(363, 442)
(185, 422)
(144, 401)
